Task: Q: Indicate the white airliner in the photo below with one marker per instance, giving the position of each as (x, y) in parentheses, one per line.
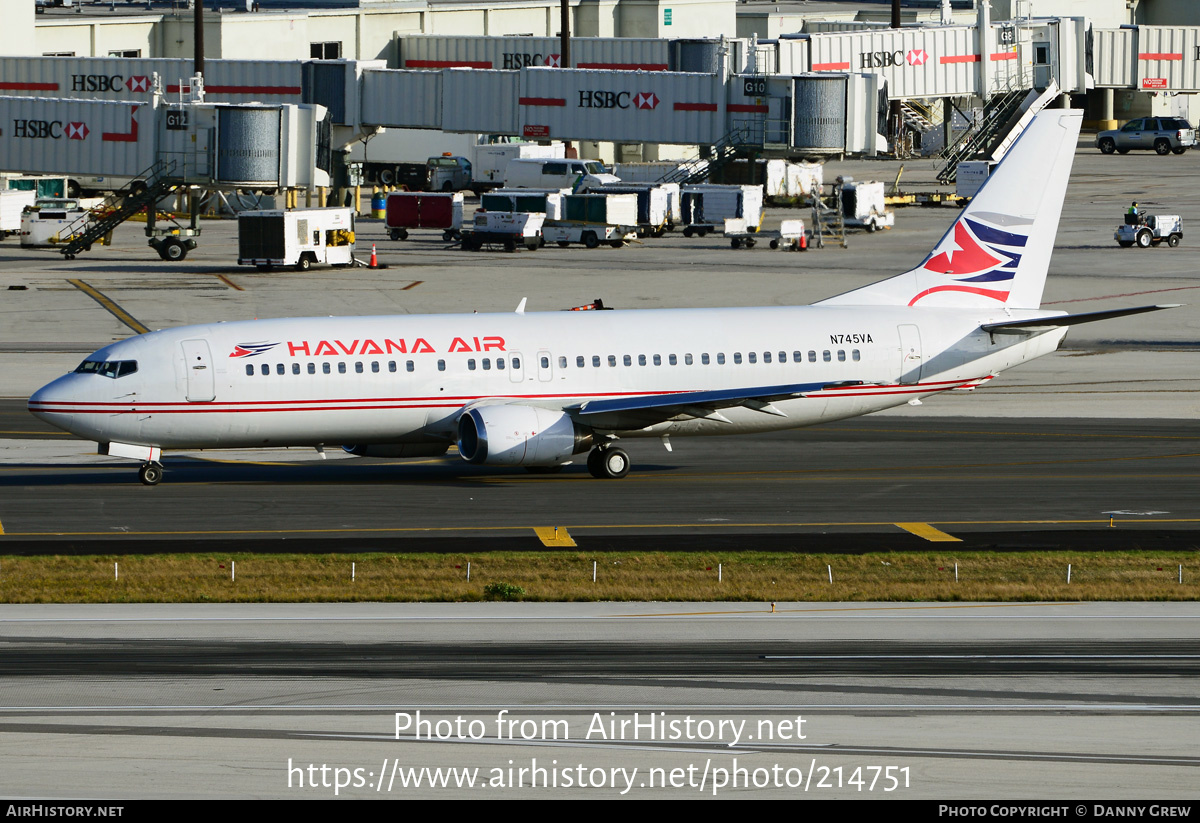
(540, 389)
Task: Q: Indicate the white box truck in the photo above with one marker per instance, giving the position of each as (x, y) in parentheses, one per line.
(592, 219)
(298, 237)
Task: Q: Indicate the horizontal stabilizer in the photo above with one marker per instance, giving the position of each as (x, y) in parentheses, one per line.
(1034, 324)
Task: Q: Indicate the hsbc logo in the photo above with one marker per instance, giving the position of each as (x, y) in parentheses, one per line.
(917, 57)
(554, 61)
(77, 131)
(646, 100)
(138, 83)
(881, 59)
(38, 129)
(618, 100)
(97, 82)
(521, 59)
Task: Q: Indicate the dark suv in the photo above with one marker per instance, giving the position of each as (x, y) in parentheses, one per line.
(1163, 134)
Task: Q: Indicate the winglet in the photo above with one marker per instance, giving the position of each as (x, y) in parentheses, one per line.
(521, 305)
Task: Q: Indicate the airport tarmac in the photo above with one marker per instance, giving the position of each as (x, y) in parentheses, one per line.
(937, 701)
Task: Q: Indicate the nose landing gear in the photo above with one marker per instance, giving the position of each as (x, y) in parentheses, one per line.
(150, 473)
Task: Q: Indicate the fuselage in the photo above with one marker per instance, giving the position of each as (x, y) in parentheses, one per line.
(408, 378)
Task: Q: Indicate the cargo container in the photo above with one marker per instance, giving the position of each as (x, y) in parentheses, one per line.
(297, 237)
(416, 210)
(506, 229)
(592, 219)
(548, 202)
(706, 207)
(627, 107)
(653, 205)
(863, 205)
(789, 235)
(13, 203)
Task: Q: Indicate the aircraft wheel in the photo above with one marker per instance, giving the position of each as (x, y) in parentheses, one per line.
(1173, 240)
(150, 474)
(1143, 239)
(608, 464)
(1162, 146)
(1108, 145)
(173, 250)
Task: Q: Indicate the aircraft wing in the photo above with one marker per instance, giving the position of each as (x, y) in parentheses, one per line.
(701, 404)
(1022, 326)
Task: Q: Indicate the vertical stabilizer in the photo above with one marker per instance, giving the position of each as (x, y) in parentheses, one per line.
(998, 251)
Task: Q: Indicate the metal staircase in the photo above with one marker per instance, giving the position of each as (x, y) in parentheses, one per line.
(698, 169)
(149, 187)
(1000, 113)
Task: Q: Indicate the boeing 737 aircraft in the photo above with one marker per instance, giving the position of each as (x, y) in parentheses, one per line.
(540, 389)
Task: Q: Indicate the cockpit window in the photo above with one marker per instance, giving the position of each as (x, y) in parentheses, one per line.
(107, 368)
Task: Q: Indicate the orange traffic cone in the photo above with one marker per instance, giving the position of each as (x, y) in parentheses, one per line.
(803, 241)
(374, 259)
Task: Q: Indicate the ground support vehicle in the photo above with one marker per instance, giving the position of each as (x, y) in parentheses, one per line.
(1146, 230)
(653, 205)
(51, 221)
(298, 237)
(789, 235)
(507, 229)
(418, 210)
(592, 219)
(1165, 135)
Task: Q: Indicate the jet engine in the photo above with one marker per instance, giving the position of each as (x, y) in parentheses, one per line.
(520, 436)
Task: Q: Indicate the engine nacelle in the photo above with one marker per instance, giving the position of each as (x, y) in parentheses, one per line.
(398, 450)
(519, 436)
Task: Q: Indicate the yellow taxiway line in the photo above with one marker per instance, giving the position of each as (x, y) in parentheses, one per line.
(929, 533)
(554, 536)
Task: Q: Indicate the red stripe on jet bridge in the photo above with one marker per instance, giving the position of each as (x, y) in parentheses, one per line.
(285, 90)
(542, 101)
(28, 86)
(830, 66)
(695, 107)
(1004, 55)
(959, 58)
(625, 66)
(744, 107)
(130, 136)
(1160, 55)
(447, 64)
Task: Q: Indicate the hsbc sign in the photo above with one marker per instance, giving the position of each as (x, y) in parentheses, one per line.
(521, 59)
(618, 100)
(109, 82)
(892, 59)
(50, 129)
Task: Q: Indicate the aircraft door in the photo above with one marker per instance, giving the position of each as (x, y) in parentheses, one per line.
(910, 354)
(545, 366)
(516, 370)
(197, 361)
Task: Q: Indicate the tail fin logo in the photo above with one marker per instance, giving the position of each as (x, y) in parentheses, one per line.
(983, 253)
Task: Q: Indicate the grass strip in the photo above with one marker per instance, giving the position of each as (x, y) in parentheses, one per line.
(567, 576)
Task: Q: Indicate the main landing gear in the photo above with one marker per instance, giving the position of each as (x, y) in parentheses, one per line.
(608, 462)
(150, 473)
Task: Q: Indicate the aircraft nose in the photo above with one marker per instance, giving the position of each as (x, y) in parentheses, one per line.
(51, 402)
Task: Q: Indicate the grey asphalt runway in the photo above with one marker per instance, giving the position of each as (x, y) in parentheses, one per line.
(953, 701)
(831, 488)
